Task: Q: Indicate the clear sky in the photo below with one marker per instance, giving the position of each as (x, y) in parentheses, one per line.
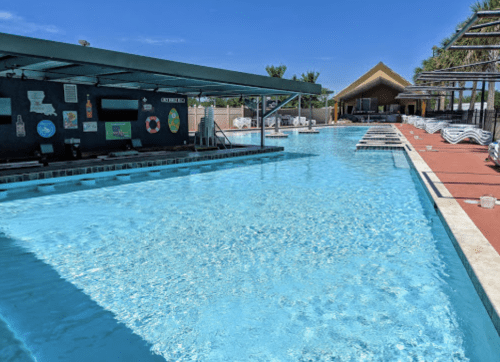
(339, 39)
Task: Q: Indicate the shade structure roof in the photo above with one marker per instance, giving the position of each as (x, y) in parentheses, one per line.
(369, 85)
(462, 33)
(441, 76)
(415, 96)
(380, 74)
(33, 58)
(429, 88)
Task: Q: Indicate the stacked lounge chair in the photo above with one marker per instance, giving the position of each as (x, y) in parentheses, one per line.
(433, 127)
(455, 135)
(494, 152)
(413, 119)
(423, 122)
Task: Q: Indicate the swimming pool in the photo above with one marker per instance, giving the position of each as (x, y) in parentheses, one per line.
(322, 254)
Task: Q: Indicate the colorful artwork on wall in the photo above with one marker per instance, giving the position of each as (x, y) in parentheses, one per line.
(89, 126)
(70, 119)
(88, 107)
(118, 130)
(70, 93)
(36, 99)
(152, 124)
(46, 128)
(20, 129)
(174, 121)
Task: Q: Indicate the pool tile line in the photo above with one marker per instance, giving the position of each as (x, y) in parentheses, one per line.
(479, 257)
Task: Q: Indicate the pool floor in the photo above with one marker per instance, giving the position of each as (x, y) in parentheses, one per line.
(335, 255)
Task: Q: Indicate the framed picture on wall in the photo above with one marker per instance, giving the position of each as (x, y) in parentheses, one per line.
(70, 93)
(70, 119)
(89, 126)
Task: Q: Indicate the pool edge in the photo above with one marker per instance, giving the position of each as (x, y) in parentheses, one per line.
(480, 259)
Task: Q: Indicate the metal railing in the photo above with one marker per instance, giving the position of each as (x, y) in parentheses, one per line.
(218, 129)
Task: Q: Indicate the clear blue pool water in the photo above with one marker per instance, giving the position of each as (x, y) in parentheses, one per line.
(323, 254)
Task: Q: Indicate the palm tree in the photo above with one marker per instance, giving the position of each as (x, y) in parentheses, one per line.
(276, 72)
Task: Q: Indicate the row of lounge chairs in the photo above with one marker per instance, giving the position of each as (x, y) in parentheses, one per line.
(242, 122)
(451, 132)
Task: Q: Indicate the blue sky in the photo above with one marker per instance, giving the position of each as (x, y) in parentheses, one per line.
(339, 39)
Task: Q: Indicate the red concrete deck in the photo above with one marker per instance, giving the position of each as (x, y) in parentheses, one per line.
(465, 173)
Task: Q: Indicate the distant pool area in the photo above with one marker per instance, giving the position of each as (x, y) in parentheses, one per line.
(320, 254)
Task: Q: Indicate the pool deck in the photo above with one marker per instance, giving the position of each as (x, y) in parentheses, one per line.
(465, 173)
(453, 174)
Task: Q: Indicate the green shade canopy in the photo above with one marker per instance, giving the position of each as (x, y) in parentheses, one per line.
(32, 58)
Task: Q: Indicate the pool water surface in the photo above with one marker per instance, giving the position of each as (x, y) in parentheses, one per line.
(322, 254)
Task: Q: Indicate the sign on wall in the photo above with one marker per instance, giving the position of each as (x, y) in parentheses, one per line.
(46, 128)
(173, 100)
(70, 119)
(70, 93)
(118, 130)
(36, 99)
(89, 126)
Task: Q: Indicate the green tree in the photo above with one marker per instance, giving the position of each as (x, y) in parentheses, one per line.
(276, 72)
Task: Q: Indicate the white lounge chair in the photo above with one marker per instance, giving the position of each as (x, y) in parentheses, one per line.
(241, 122)
(299, 121)
(435, 126)
(422, 122)
(271, 121)
(478, 135)
(494, 152)
(413, 119)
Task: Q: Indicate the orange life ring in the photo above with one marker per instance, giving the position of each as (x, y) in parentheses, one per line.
(148, 127)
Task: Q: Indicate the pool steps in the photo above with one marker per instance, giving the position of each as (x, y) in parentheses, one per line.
(381, 138)
(22, 190)
(123, 177)
(88, 181)
(46, 188)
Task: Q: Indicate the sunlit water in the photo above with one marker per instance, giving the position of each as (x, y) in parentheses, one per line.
(324, 254)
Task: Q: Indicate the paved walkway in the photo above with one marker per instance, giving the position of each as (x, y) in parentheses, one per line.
(465, 173)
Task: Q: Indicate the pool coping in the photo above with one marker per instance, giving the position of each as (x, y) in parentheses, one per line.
(479, 257)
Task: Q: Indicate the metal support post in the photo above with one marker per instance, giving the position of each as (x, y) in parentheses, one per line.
(310, 111)
(495, 126)
(276, 123)
(326, 109)
(262, 122)
(300, 101)
(452, 100)
(481, 119)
